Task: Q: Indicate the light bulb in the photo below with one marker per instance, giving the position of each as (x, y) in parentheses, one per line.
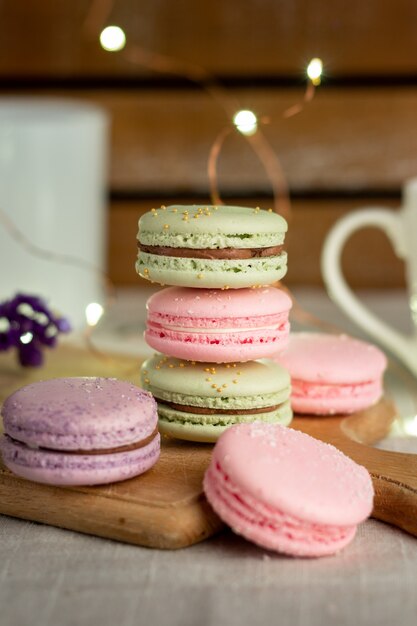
(112, 39)
(315, 70)
(246, 122)
(93, 313)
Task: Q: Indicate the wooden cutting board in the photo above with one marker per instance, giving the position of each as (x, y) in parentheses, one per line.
(166, 508)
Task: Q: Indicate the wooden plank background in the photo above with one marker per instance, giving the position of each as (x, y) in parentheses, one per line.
(237, 37)
(354, 144)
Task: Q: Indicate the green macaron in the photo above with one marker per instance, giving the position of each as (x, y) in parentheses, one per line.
(214, 247)
(198, 401)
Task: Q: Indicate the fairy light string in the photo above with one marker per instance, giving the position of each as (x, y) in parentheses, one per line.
(95, 22)
(243, 121)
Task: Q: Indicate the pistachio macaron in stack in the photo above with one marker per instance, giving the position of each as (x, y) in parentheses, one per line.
(212, 326)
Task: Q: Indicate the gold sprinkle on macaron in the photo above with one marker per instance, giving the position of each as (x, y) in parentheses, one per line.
(200, 276)
(166, 226)
(235, 381)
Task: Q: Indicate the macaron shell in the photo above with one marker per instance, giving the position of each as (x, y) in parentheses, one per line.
(58, 468)
(197, 427)
(207, 226)
(208, 304)
(179, 378)
(79, 413)
(293, 473)
(213, 274)
(331, 359)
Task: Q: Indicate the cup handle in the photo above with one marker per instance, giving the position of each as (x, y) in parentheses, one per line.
(338, 289)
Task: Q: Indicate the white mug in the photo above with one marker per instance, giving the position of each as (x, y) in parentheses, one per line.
(53, 162)
(401, 228)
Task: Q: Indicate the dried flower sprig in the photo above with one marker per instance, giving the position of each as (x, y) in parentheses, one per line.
(27, 324)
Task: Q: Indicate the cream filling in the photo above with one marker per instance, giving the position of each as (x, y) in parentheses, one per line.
(216, 331)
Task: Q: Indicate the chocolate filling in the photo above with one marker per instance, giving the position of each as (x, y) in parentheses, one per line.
(126, 448)
(202, 410)
(208, 253)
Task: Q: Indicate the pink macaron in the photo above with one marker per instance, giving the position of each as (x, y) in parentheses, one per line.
(332, 374)
(218, 326)
(287, 491)
(80, 431)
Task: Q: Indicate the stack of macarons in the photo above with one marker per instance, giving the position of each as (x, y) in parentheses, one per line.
(217, 327)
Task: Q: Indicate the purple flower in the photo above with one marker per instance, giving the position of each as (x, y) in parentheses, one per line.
(26, 323)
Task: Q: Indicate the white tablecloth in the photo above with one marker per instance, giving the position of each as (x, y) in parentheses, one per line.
(51, 577)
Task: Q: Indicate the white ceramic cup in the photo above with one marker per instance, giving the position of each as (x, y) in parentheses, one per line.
(401, 228)
(53, 161)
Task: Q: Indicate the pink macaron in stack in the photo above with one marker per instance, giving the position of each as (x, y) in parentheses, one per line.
(218, 326)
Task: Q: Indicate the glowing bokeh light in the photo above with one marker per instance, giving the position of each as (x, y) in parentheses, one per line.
(26, 338)
(93, 313)
(112, 39)
(315, 70)
(246, 122)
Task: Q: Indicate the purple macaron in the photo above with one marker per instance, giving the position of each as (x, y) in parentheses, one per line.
(80, 431)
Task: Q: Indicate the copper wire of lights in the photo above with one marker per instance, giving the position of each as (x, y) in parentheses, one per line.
(95, 20)
(99, 14)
